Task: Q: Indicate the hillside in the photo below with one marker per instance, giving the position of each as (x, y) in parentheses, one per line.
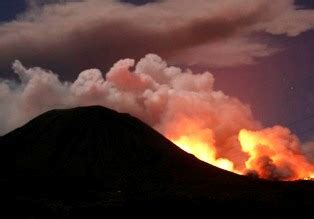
(88, 160)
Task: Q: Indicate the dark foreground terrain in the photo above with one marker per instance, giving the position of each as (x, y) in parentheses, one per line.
(88, 161)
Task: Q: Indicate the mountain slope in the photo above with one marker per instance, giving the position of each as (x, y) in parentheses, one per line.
(94, 156)
(98, 142)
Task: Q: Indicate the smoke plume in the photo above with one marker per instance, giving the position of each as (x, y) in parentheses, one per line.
(180, 104)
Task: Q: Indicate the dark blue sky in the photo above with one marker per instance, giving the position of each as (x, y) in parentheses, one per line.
(10, 8)
(279, 88)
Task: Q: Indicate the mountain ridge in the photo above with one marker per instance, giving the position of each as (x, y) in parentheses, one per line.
(91, 155)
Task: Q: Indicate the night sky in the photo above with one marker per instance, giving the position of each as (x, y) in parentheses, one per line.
(285, 78)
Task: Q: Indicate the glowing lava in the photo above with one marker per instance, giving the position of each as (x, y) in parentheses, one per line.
(203, 151)
(193, 137)
(273, 153)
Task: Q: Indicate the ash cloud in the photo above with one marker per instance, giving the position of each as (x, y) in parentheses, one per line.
(69, 36)
(175, 102)
(152, 92)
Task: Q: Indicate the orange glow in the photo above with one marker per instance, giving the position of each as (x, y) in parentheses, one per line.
(203, 151)
(191, 136)
(273, 153)
(225, 164)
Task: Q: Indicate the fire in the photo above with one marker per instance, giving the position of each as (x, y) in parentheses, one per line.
(203, 151)
(273, 153)
(193, 137)
(225, 164)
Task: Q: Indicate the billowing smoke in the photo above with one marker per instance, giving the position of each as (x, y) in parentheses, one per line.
(182, 105)
(275, 153)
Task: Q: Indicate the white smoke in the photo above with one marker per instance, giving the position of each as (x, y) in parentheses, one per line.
(152, 92)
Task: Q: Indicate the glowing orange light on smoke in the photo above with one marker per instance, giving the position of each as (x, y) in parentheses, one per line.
(273, 153)
(202, 151)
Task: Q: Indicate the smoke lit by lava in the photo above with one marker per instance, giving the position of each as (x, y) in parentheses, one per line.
(180, 104)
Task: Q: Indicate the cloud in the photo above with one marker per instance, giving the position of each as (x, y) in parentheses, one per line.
(74, 35)
(224, 53)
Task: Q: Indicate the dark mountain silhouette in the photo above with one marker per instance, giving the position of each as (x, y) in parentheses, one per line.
(89, 160)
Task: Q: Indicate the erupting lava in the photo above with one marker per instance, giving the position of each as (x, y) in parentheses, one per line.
(273, 153)
(203, 151)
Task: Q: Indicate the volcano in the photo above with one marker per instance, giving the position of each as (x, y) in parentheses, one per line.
(88, 160)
